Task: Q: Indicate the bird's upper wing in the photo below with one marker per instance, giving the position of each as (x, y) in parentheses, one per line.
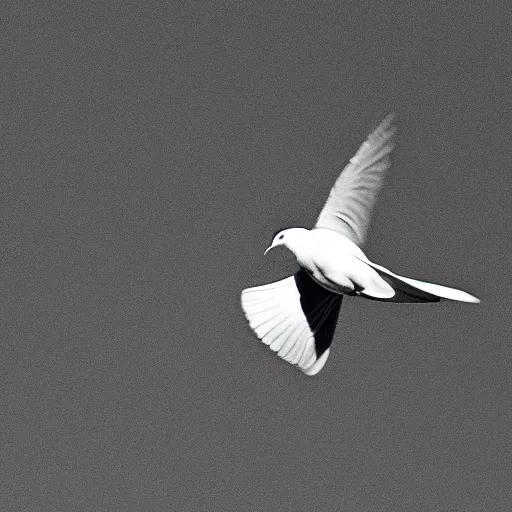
(349, 206)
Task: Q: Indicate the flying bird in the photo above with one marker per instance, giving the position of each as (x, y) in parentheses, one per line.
(296, 317)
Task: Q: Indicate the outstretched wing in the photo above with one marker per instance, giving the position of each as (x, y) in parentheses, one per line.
(296, 317)
(351, 200)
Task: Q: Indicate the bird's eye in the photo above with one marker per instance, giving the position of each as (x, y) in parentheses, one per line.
(281, 237)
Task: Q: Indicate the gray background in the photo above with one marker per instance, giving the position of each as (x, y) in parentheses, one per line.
(148, 152)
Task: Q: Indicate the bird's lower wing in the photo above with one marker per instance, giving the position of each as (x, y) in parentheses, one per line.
(295, 317)
(413, 290)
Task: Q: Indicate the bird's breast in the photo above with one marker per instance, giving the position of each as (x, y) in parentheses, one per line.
(329, 259)
(331, 277)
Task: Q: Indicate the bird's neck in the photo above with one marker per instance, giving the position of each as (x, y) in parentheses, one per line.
(300, 246)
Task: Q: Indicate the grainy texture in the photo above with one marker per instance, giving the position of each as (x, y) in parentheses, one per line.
(148, 150)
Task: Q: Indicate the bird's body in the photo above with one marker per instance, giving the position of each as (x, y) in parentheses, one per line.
(297, 316)
(336, 263)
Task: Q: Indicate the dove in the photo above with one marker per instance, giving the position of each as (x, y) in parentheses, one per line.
(297, 316)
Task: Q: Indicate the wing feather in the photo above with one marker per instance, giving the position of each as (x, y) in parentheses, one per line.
(295, 317)
(352, 198)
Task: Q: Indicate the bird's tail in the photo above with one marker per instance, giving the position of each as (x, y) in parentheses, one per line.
(413, 290)
(295, 317)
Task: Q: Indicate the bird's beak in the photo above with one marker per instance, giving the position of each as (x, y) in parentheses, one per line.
(268, 249)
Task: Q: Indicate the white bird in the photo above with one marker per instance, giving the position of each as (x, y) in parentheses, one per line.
(297, 316)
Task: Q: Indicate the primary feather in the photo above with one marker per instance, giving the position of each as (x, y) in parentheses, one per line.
(352, 198)
(295, 317)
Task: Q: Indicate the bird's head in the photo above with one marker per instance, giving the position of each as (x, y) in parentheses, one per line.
(287, 237)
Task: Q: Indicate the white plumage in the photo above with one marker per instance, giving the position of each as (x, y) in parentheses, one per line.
(296, 317)
(275, 313)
